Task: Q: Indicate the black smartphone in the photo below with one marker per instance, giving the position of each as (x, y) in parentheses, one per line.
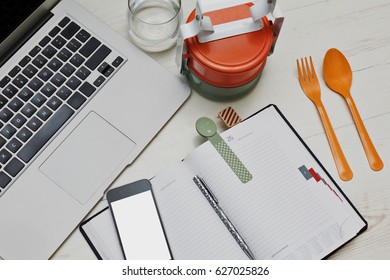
(138, 223)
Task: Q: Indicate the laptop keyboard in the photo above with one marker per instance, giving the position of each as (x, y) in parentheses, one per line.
(45, 89)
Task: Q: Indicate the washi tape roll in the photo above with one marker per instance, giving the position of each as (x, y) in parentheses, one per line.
(229, 117)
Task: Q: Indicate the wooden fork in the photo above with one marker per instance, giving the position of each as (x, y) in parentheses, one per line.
(311, 87)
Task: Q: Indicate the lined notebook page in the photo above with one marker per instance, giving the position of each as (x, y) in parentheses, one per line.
(281, 213)
(193, 229)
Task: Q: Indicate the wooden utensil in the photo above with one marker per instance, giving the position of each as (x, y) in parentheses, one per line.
(338, 76)
(311, 87)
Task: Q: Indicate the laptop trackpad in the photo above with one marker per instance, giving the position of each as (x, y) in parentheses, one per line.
(87, 157)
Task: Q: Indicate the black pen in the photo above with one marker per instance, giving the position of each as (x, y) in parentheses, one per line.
(221, 214)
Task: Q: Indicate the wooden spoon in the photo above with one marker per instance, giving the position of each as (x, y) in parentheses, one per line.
(338, 76)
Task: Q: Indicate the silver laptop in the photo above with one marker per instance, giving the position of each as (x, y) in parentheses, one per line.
(78, 103)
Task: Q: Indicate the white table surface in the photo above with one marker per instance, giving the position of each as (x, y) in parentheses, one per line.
(360, 29)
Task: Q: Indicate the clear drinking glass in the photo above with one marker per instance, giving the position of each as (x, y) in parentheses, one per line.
(154, 24)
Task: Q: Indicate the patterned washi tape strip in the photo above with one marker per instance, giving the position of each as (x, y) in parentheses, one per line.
(208, 129)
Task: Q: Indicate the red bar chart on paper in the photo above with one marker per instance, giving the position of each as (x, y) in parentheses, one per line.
(312, 174)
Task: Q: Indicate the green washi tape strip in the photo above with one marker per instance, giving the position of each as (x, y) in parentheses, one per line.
(208, 129)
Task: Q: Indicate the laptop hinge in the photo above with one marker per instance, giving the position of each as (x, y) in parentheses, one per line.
(45, 18)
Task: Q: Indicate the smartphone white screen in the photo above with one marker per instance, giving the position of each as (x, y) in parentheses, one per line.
(139, 228)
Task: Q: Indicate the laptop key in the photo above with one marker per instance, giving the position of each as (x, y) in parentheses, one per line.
(20, 81)
(45, 74)
(64, 22)
(30, 70)
(10, 91)
(54, 64)
(14, 145)
(15, 104)
(44, 41)
(64, 93)
(39, 61)
(28, 110)
(90, 47)
(73, 45)
(35, 84)
(70, 30)
(4, 81)
(48, 89)
(83, 35)
(58, 79)
(34, 124)
(58, 42)
(2, 142)
(45, 133)
(14, 167)
(103, 66)
(117, 61)
(87, 89)
(67, 70)
(64, 54)
(54, 103)
(77, 60)
(25, 94)
(8, 131)
(14, 71)
(34, 51)
(44, 113)
(98, 57)
(18, 120)
(4, 180)
(76, 100)
(24, 61)
(49, 51)
(6, 115)
(83, 73)
(54, 31)
(108, 71)
(38, 100)
(3, 101)
(99, 81)
(5, 156)
(24, 134)
(73, 82)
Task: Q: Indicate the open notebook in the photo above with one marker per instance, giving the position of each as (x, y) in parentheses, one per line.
(290, 209)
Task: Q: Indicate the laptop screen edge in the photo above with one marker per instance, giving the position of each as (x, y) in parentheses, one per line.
(10, 44)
